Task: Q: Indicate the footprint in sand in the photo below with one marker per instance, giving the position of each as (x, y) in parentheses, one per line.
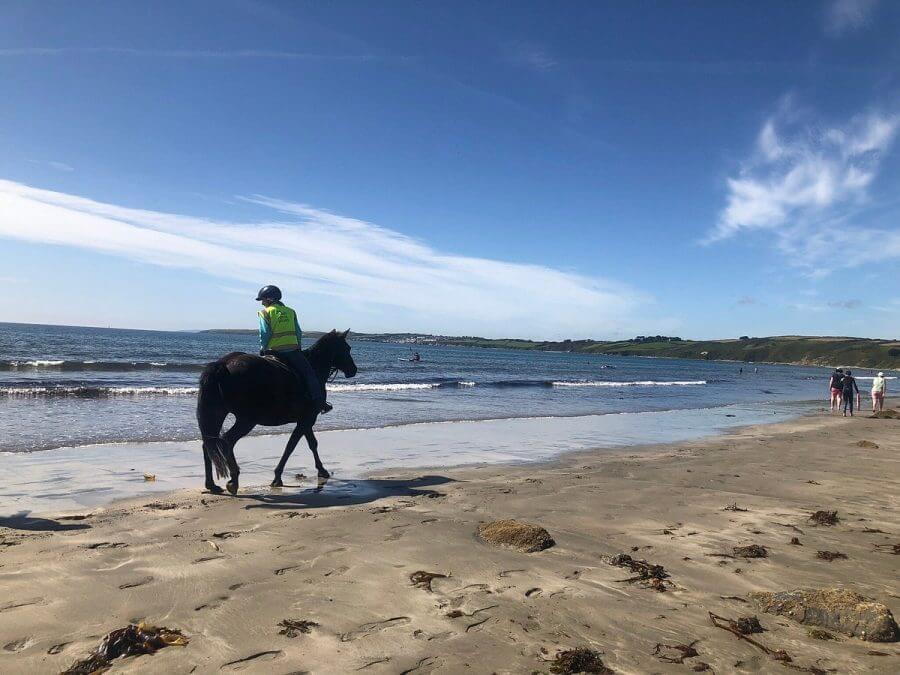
(374, 627)
(58, 649)
(427, 665)
(143, 581)
(253, 661)
(21, 603)
(18, 645)
(212, 604)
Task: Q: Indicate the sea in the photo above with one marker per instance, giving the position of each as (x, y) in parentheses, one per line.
(67, 387)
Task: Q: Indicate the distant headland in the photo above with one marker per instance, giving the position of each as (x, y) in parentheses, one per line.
(793, 349)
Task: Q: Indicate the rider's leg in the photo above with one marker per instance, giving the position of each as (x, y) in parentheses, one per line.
(301, 366)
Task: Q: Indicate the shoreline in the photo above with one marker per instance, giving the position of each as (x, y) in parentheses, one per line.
(227, 570)
(88, 476)
(277, 431)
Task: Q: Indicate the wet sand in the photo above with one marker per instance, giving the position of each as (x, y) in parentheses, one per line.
(226, 571)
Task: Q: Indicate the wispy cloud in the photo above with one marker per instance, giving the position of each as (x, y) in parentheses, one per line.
(530, 56)
(805, 181)
(224, 54)
(348, 260)
(59, 166)
(746, 300)
(844, 16)
(845, 304)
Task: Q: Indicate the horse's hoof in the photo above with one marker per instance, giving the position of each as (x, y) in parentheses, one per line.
(324, 474)
(232, 487)
(276, 483)
(215, 489)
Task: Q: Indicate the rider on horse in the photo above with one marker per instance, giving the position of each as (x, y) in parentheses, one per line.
(279, 333)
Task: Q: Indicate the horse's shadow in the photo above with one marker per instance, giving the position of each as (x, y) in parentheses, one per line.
(22, 521)
(350, 492)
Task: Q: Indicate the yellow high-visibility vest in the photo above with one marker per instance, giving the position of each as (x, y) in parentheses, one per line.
(282, 322)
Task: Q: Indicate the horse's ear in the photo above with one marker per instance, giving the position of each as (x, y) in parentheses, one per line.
(346, 333)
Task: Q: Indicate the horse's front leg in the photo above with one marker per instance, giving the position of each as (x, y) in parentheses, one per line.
(314, 446)
(288, 449)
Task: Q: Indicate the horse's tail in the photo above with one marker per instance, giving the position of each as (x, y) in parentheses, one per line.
(211, 413)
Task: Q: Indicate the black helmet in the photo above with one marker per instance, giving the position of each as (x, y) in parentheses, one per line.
(269, 293)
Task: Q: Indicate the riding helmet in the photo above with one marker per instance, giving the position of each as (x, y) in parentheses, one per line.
(269, 293)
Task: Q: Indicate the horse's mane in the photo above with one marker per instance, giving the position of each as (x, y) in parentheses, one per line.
(323, 343)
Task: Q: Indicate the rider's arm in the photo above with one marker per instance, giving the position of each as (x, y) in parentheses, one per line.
(297, 328)
(265, 332)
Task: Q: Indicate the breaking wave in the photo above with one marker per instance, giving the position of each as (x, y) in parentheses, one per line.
(88, 391)
(103, 366)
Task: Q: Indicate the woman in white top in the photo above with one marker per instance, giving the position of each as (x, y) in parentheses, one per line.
(879, 389)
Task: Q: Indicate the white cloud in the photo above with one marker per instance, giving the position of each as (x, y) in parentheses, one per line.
(357, 263)
(843, 16)
(804, 182)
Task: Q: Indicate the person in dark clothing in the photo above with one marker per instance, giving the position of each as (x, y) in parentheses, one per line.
(836, 387)
(848, 385)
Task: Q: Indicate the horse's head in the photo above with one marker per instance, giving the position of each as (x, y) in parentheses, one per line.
(339, 350)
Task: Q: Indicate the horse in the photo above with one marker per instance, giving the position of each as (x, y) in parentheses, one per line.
(262, 391)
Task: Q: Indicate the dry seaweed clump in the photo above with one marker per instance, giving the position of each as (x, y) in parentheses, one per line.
(886, 415)
(831, 555)
(292, 628)
(751, 551)
(581, 660)
(837, 609)
(524, 537)
(133, 640)
(867, 444)
(824, 518)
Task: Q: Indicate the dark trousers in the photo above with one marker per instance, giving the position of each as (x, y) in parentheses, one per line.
(297, 361)
(848, 401)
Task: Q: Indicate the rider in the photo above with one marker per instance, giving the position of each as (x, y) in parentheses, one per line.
(279, 332)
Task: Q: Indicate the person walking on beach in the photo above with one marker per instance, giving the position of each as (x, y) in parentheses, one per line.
(879, 389)
(279, 332)
(848, 386)
(836, 386)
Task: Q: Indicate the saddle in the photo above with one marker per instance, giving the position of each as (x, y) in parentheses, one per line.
(273, 358)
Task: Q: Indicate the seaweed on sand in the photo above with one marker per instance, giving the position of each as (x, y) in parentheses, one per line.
(581, 660)
(831, 555)
(735, 628)
(292, 628)
(422, 579)
(654, 576)
(133, 640)
(824, 518)
(677, 653)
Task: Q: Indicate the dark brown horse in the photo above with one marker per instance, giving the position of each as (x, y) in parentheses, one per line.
(261, 390)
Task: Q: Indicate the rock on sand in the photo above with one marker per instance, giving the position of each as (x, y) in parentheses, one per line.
(839, 609)
(524, 537)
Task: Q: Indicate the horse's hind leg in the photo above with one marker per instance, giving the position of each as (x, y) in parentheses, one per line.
(288, 449)
(238, 430)
(314, 447)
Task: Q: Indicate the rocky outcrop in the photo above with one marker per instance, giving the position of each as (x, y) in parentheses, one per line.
(838, 609)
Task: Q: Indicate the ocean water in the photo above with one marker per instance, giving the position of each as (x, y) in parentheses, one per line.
(69, 387)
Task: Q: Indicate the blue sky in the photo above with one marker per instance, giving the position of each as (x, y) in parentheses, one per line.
(586, 169)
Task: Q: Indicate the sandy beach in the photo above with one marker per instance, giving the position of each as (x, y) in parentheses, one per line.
(227, 571)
